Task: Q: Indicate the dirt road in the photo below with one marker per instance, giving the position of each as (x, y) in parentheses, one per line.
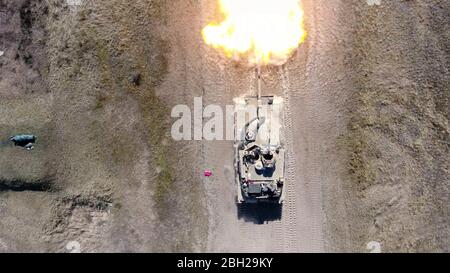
(312, 124)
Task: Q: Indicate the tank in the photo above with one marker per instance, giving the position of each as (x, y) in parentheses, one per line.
(259, 152)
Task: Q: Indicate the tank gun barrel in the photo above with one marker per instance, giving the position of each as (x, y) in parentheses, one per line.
(258, 73)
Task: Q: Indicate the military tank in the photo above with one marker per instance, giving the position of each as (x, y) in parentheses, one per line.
(259, 152)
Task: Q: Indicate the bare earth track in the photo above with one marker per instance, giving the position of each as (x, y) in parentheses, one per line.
(298, 228)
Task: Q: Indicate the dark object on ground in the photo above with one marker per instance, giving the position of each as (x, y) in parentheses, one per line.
(135, 78)
(25, 141)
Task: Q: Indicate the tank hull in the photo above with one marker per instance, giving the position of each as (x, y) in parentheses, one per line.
(259, 152)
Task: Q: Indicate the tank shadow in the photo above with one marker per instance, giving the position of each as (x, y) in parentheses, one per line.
(259, 213)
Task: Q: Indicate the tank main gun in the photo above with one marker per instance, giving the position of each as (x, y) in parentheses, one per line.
(259, 79)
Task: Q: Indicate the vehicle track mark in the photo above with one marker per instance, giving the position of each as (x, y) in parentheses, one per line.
(290, 206)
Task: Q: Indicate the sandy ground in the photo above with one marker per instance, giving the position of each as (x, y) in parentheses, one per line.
(399, 134)
(366, 128)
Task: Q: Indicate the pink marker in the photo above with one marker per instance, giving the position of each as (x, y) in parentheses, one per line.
(208, 173)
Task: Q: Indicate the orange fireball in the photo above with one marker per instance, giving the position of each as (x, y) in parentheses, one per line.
(264, 31)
